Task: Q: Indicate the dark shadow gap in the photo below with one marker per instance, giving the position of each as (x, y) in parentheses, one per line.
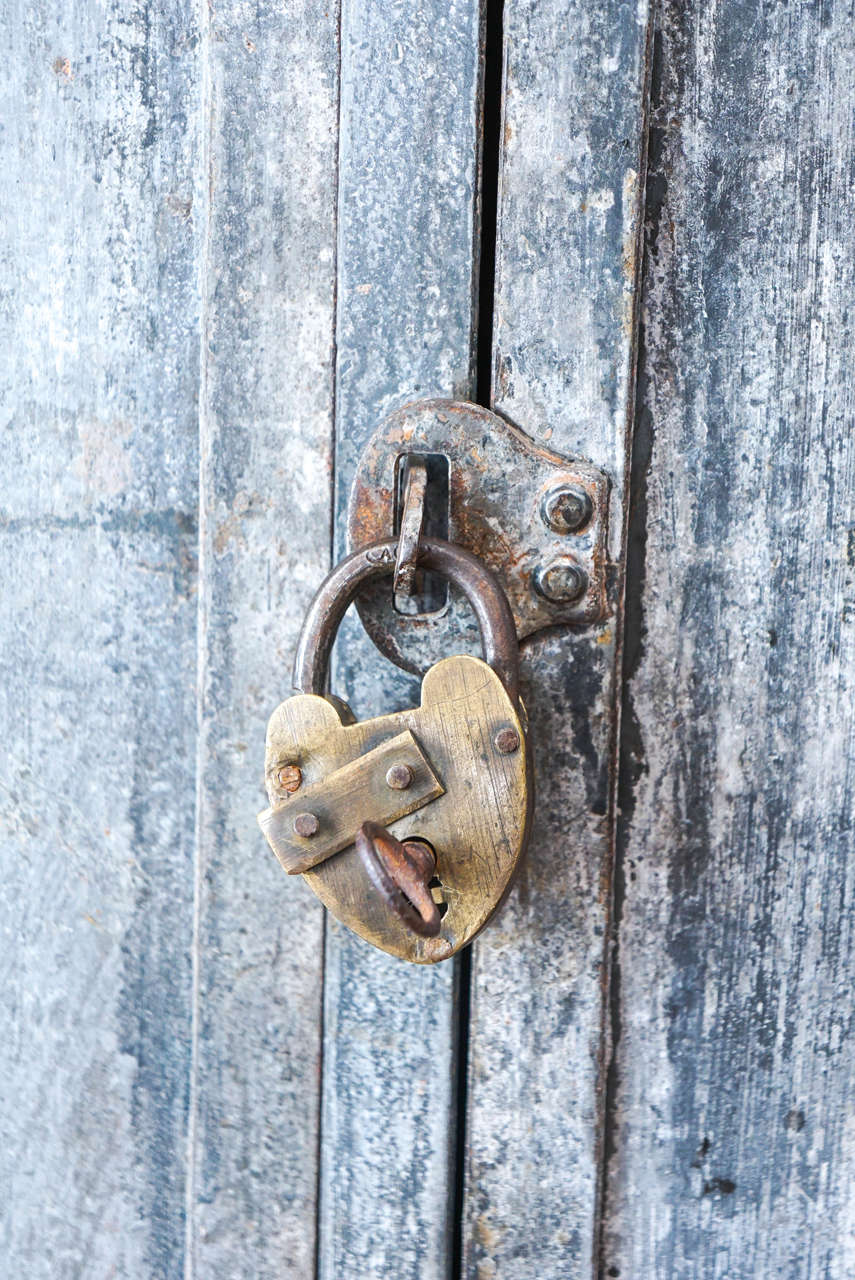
(491, 143)
(492, 35)
(629, 759)
(462, 1005)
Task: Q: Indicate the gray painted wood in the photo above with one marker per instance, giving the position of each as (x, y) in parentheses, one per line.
(98, 476)
(410, 86)
(268, 278)
(171, 190)
(573, 138)
(733, 1132)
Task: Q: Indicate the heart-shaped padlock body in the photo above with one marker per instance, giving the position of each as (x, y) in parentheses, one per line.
(469, 796)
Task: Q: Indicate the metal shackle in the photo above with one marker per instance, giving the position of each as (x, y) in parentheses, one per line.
(338, 590)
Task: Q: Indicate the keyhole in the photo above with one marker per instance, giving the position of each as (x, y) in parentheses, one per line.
(436, 884)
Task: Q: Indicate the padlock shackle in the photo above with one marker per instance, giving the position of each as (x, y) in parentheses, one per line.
(338, 590)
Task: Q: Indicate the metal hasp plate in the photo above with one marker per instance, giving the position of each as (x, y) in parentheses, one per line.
(537, 519)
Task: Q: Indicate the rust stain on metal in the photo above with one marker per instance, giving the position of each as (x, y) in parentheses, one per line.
(412, 523)
(401, 874)
(290, 777)
(501, 504)
(507, 741)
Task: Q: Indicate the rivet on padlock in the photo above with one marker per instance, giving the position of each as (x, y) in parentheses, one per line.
(429, 803)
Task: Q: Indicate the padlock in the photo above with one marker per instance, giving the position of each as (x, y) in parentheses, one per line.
(409, 827)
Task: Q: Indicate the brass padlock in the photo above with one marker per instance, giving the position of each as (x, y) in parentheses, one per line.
(450, 779)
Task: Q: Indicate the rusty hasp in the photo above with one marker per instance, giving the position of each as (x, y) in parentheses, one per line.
(536, 519)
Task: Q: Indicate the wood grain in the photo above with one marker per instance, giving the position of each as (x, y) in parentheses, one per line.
(733, 1129)
(268, 278)
(98, 481)
(567, 256)
(410, 101)
(172, 248)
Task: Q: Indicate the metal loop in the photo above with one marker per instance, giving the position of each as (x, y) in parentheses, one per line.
(339, 588)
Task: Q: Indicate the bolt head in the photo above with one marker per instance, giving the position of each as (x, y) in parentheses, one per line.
(567, 508)
(507, 741)
(399, 777)
(290, 777)
(561, 581)
(306, 825)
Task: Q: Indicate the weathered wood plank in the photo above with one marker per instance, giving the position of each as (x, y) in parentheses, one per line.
(98, 475)
(409, 140)
(266, 433)
(734, 1152)
(575, 86)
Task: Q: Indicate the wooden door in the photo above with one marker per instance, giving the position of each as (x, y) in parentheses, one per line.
(235, 238)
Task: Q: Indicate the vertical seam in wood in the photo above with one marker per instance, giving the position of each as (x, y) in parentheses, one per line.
(206, 124)
(488, 205)
(332, 533)
(320, 1096)
(610, 1035)
(460, 1092)
(337, 258)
